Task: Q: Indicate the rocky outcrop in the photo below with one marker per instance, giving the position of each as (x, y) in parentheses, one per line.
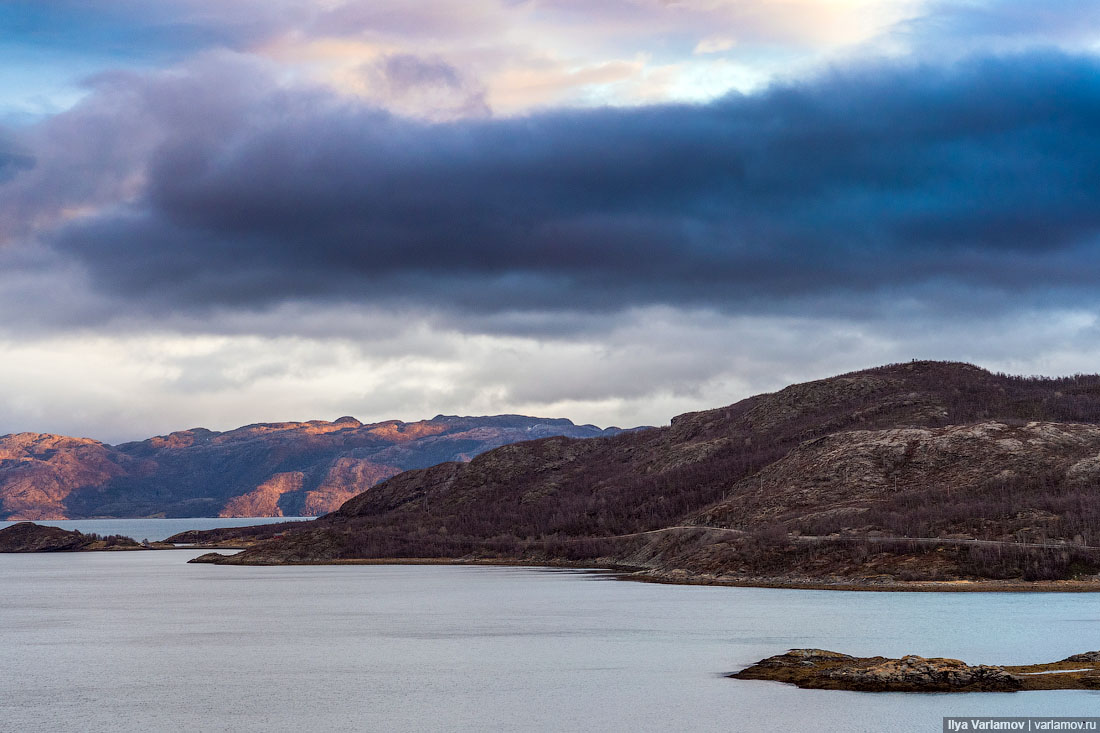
(934, 675)
(270, 469)
(820, 669)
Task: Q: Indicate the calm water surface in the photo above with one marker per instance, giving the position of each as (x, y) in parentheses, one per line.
(143, 641)
(156, 529)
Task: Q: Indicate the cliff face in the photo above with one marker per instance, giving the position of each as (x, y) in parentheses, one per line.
(274, 469)
(918, 471)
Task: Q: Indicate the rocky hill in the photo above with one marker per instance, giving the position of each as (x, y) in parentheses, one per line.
(918, 471)
(272, 469)
(29, 537)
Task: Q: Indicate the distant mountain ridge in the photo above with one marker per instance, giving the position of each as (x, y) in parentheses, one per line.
(264, 469)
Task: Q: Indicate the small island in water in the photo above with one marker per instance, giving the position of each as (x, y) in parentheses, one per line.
(826, 670)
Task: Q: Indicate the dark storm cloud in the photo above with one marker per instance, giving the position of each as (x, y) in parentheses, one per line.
(859, 185)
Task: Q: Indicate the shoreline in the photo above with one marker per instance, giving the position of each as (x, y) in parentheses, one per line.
(648, 575)
(898, 586)
(29, 537)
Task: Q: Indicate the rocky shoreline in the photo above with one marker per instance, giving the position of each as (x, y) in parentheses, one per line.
(820, 669)
(681, 577)
(30, 537)
(869, 585)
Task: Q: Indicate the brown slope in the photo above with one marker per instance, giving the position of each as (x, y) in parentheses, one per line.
(754, 467)
(263, 501)
(29, 537)
(913, 481)
(272, 469)
(38, 472)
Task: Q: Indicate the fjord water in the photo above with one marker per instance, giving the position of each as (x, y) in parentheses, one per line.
(143, 641)
(156, 529)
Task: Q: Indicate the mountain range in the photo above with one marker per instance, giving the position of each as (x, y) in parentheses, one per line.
(915, 471)
(262, 470)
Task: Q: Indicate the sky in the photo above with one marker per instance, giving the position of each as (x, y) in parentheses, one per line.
(215, 214)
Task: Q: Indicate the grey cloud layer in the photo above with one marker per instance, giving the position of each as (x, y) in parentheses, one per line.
(11, 163)
(891, 182)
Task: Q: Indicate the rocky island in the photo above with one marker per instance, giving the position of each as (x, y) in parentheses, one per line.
(826, 670)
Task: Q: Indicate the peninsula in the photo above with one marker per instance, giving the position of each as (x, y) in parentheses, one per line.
(922, 475)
